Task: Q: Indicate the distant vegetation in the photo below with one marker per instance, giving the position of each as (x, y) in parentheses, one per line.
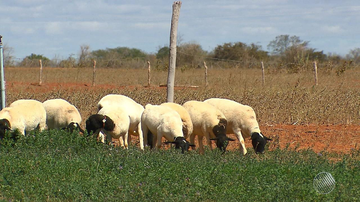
(284, 52)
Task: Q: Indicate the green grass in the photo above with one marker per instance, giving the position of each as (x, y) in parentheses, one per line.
(56, 166)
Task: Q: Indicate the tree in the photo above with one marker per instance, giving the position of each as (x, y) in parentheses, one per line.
(190, 55)
(163, 53)
(84, 56)
(8, 56)
(354, 55)
(283, 43)
(230, 51)
(246, 55)
(33, 60)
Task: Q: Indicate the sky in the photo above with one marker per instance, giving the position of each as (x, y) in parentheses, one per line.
(58, 28)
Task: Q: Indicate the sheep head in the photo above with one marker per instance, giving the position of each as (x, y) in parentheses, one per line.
(259, 141)
(4, 126)
(222, 142)
(181, 142)
(98, 121)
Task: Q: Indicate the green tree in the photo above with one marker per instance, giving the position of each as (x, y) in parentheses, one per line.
(33, 60)
(163, 53)
(190, 55)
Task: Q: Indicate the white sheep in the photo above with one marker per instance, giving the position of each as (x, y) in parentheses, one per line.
(208, 122)
(61, 114)
(129, 106)
(23, 115)
(185, 117)
(162, 121)
(113, 120)
(241, 122)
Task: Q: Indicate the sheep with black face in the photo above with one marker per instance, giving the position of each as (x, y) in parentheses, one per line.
(133, 111)
(109, 122)
(241, 122)
(208, 122)
(60, 114)
(162, 121)
(23, 115)
(184, 115)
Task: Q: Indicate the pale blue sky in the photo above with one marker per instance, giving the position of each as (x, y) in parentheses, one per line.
(57, 28)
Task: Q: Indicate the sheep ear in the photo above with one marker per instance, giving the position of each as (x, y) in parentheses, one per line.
(267, 139)
(214, 138)
(167, 142)
(230, 139)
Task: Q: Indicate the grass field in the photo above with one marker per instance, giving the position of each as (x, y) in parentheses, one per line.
(54, 166)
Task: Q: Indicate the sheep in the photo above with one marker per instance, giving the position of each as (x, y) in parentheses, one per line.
(208, 122)
(241, 122)
(132, 108)
(98, 124)
(162, 121)
(23, 115)
(185, 117)
(113, 120)
(60, 114)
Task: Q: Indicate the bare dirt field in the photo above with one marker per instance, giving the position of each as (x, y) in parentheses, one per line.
(330, 138)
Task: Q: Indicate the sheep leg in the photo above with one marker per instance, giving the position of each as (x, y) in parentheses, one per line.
(121, 142)
(126, 138)
(159, 138)
(144, 132)
(201, 145)
(192, 139)
(141, 137)
(209, 141)
(242, 142)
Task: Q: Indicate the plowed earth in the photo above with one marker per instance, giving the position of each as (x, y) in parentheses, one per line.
(330, 138)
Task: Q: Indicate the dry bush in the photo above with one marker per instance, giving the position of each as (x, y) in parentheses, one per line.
(286, 98)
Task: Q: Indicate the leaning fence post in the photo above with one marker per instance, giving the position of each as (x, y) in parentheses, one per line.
(2, 80)
(94, 72)
(263, 72)
(172, 58)
(41, 70)
(206, 73)
(149, 69)
(315, 73)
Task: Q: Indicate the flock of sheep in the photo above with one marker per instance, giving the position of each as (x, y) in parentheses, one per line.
(120, 117)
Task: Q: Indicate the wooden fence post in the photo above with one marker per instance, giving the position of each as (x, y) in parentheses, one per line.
(94, 72)
(41, 69)
(206, 73)
(149, 69)
(263, 73)
(172, 59)
(315, 73)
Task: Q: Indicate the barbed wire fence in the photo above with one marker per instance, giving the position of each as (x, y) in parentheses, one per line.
(203, 62)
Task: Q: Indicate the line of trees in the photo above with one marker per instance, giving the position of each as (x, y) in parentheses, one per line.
(286, 52)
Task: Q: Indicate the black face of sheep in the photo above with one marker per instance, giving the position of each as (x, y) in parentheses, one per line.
(4, 126)
(222, 142)
(221, 139)
(181, 143)
(259, 141)
(98, 121)
(72, 127)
